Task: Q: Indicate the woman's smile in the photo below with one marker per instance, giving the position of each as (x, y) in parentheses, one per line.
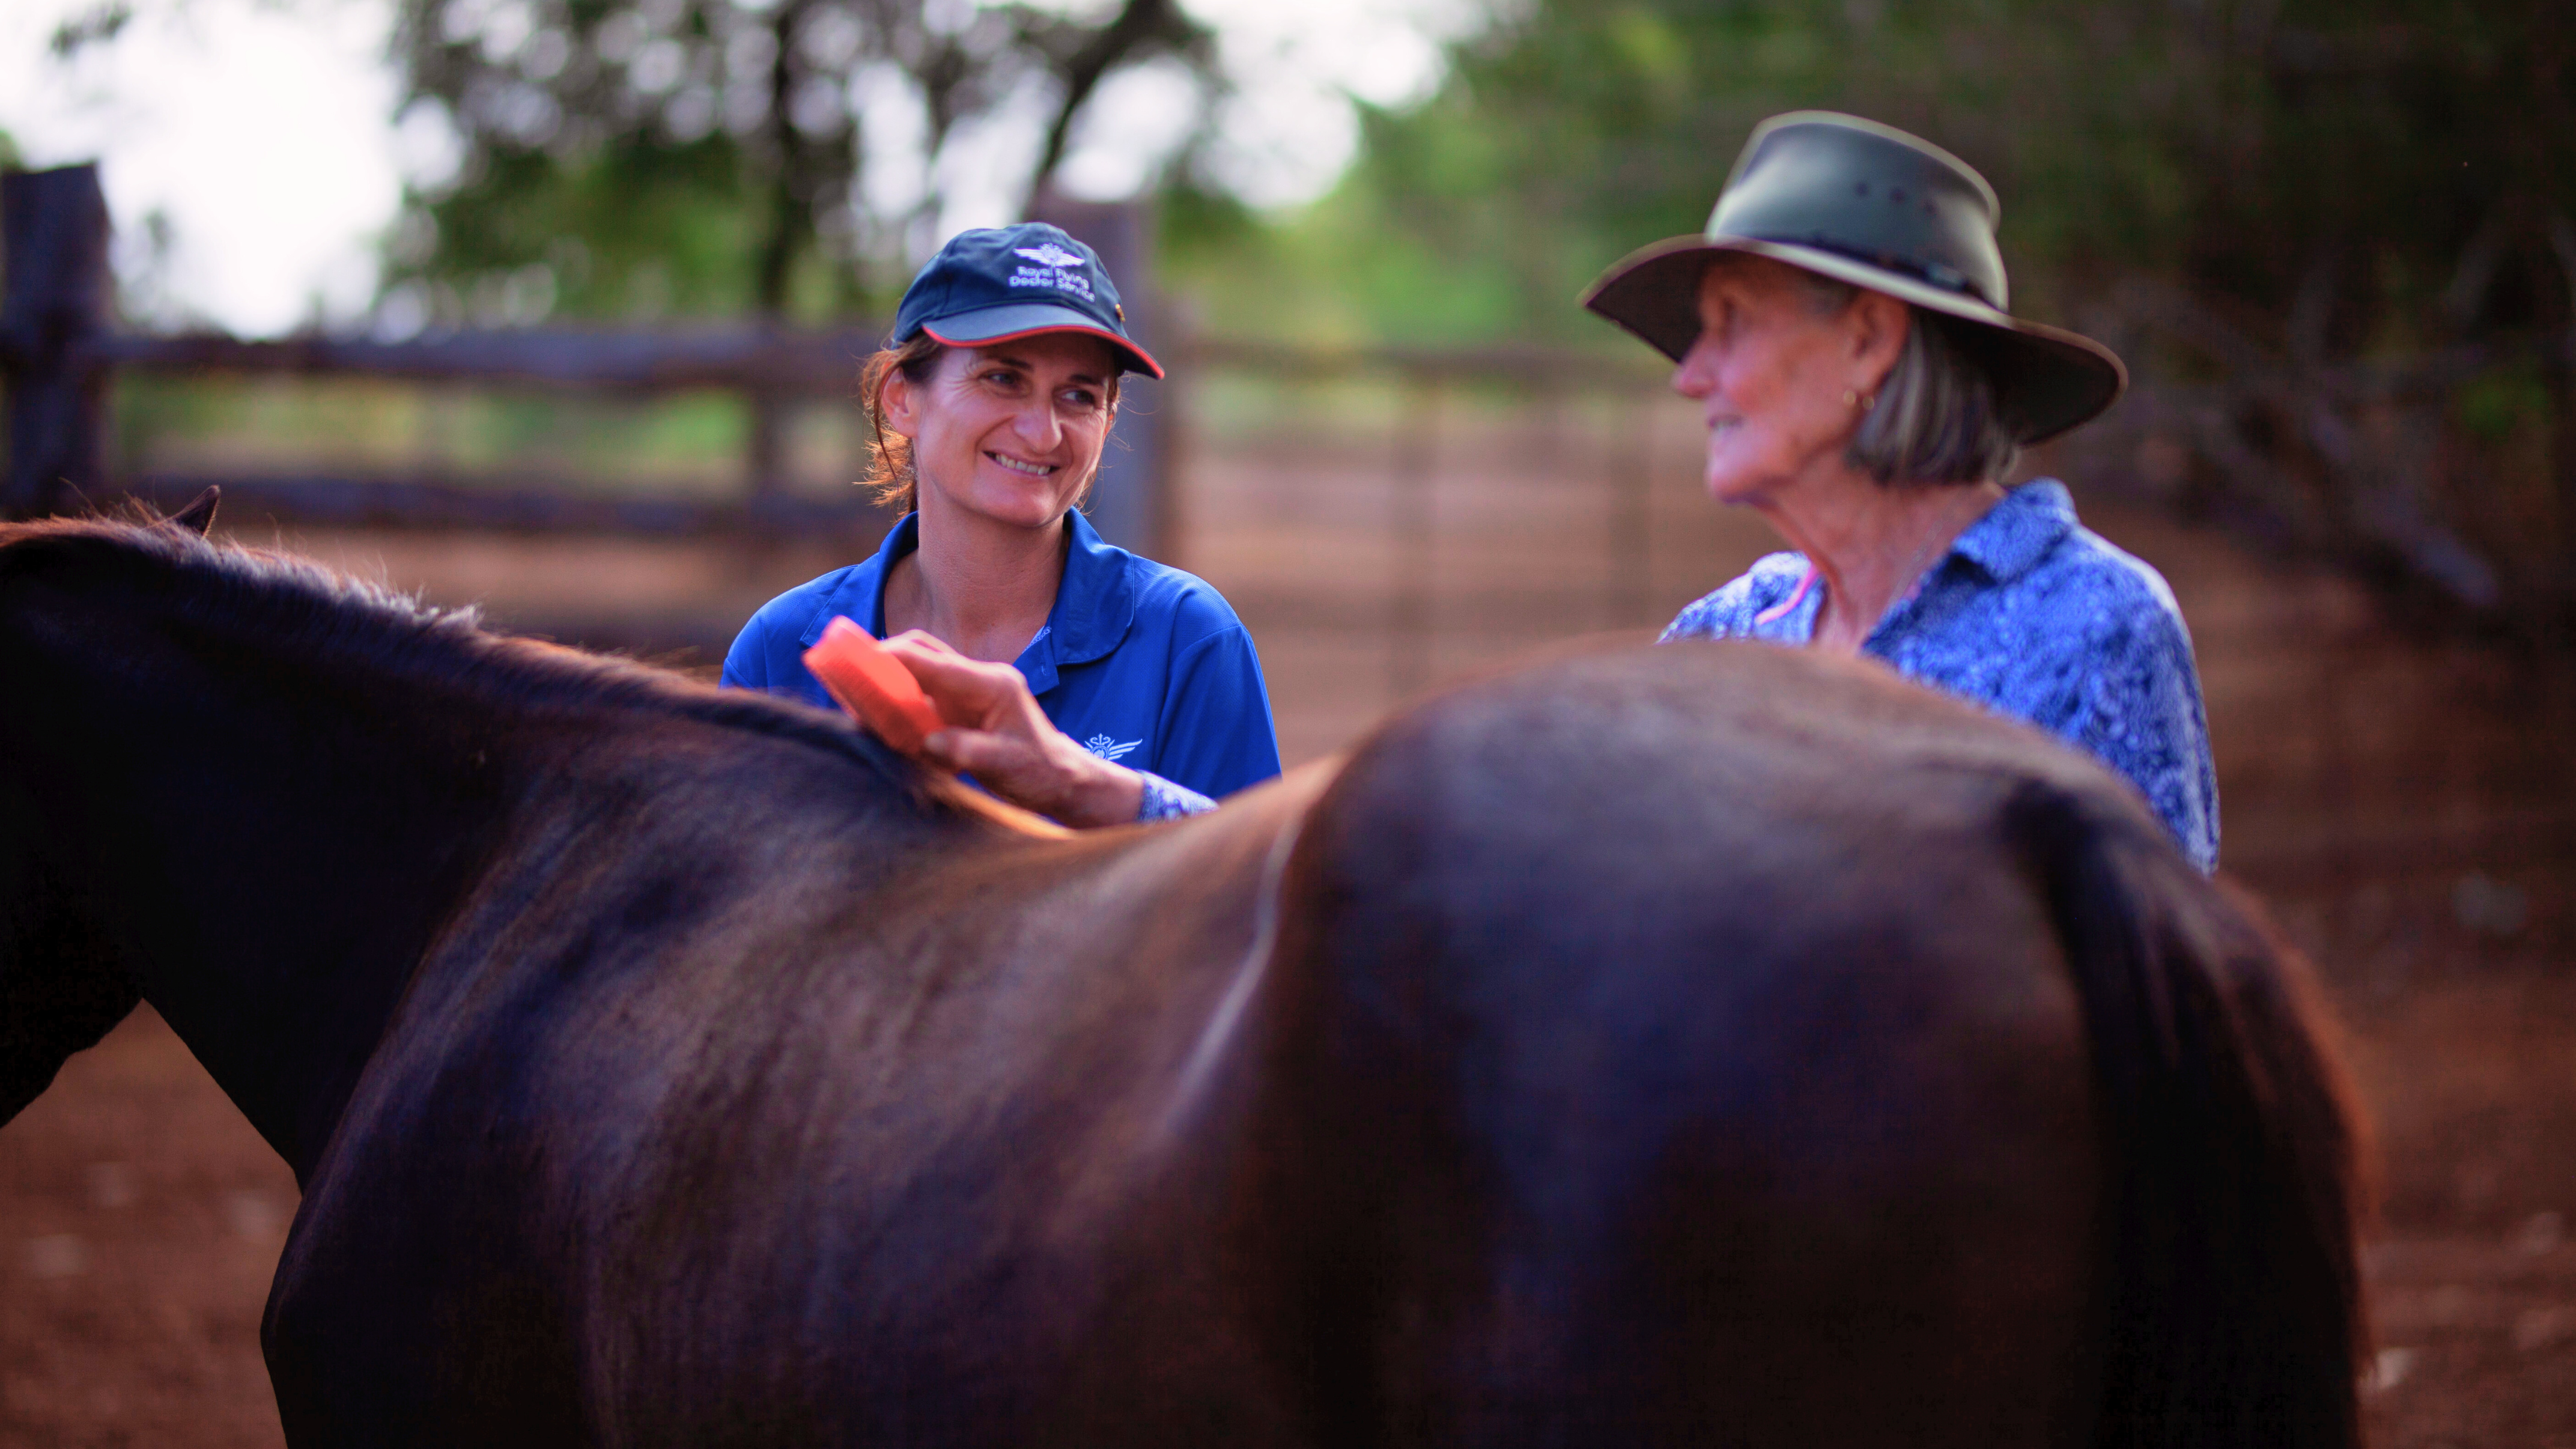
(1033, 470)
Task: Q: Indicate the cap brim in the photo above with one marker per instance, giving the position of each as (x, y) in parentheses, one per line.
(990, 325)
(2046, 378)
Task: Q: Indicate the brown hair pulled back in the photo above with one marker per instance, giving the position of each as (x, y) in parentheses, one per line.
(890, 454)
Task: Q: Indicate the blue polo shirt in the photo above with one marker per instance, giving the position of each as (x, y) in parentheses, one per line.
(1141, 663)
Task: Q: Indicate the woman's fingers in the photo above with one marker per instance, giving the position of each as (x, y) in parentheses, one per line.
(1019, 770)
(998, 760)
(1053, 777)
(1001, 737)
(967, 691)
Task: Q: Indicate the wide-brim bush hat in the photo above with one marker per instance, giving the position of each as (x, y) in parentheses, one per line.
(1870, 205)
(1000, 284)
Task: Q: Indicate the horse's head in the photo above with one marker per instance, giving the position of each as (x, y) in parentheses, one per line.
(62, 985)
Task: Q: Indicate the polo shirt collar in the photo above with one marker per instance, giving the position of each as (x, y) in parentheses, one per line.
(1097, 600)
(1094, 605)
(2018, 532)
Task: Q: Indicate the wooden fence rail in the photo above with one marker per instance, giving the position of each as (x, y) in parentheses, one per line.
(747, 359)
(60, 352)
(2278, 434)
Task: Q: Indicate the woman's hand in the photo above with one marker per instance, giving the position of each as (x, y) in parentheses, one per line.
(998, 734)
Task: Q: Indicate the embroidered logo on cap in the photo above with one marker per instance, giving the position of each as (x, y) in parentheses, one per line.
(1056, 268)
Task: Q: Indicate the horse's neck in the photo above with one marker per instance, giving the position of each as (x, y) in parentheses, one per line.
(280, 853)
(273, 804)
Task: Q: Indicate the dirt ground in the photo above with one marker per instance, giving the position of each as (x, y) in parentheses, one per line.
(2402, 800)
(140, 1218)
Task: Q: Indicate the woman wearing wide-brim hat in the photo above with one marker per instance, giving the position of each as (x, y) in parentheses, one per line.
(1078, 679)
(1842, 324)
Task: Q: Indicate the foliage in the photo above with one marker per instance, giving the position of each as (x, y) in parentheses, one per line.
(643, 157)
(95, 26)
(2383, 159)
(2257, 201)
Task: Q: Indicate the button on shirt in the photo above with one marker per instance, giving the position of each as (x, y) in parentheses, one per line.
(2035, 616)
(1140, 663)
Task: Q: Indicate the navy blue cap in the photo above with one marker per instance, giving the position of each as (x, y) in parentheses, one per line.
(1003, 283)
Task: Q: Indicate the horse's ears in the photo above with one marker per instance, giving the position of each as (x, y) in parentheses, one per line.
(199, 516)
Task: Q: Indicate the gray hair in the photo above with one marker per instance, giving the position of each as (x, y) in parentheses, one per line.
(1934, 418)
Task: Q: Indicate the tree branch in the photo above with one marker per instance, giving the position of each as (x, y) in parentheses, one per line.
(1142, 27)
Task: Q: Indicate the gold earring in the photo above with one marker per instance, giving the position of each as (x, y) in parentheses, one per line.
(1850, 398)
(1868, 402)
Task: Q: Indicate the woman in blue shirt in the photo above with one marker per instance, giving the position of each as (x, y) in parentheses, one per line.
(1841, 324)
(1098, 687)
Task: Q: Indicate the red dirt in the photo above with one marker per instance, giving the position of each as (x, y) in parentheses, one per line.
(140, 1219)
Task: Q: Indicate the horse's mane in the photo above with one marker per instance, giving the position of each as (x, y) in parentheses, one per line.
(344, 619)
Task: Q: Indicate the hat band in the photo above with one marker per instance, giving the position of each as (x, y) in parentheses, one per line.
(1947, 278)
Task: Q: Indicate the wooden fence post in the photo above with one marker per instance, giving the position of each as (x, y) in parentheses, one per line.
(1409, 536)
(1632, 522)
(765, 451)
(57, 305)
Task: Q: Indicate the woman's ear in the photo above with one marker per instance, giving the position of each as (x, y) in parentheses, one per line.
(901, 408)
(1878, 323)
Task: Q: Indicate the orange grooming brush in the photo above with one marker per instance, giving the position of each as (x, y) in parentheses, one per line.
(873, 686)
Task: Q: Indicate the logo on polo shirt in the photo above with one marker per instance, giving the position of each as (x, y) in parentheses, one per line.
(1109, 749)
(1056, 268)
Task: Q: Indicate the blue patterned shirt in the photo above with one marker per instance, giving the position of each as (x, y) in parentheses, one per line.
(2035, 616)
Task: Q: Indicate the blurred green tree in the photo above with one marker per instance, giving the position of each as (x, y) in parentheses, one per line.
(2227, 189)
(2337, 174)
(645, 157)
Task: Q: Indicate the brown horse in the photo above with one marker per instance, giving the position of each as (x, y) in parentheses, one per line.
(1701, 1045)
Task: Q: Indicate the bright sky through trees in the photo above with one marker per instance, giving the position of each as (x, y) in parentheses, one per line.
(252, 159)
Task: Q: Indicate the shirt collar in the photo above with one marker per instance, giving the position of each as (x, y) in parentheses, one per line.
(1793, 619)
(1097, 600)
(1094, 605)
(2018, 532)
